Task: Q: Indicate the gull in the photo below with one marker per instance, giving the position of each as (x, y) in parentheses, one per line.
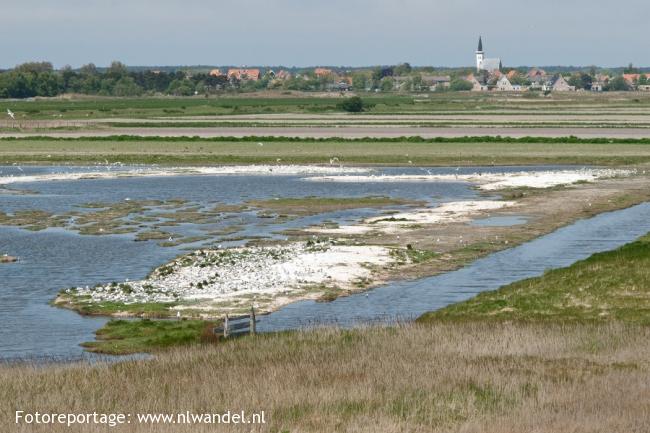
(11, 114)
(260, 144)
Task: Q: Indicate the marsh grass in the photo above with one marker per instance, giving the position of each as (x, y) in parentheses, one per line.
(460, 377)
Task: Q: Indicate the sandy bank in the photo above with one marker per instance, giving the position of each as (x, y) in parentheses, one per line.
(491, 181)
(112, 172)
(217, 281)
(452, 212)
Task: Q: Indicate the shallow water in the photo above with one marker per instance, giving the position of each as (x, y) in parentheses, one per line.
(406, 300)
(57, 258)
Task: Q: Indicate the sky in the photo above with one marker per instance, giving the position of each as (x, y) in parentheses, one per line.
(316, 32)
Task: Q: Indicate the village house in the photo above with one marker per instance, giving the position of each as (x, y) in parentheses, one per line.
(633, 81)
(504, 85)
(340, 86)
(434, 82)
(558, 84)
(512, 75)
(477, 85)
(537, 78)
(283, 75)
(599, 82)
(216, 73)
(244, 74)
(323, 72)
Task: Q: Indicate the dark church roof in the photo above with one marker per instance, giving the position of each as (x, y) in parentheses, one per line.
(480, 44)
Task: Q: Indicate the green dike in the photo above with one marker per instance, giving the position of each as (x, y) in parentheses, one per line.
(613, 285)
(119, 337)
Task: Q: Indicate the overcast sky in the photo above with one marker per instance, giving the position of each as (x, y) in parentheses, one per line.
(317, 32)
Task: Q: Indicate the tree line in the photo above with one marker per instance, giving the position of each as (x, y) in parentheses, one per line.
(40, 79)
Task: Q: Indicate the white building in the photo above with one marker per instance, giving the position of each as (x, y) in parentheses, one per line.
(483, 64)
(504, 85)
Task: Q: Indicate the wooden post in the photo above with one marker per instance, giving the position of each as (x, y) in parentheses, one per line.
(252, 318)
(225, 327)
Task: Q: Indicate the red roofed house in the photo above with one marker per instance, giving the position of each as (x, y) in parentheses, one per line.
(512, 74)
(323, 72)
(633, 78)
(216, 73)
(244, 74)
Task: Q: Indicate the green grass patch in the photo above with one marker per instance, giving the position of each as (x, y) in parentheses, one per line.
(613, 285)
(120, 337)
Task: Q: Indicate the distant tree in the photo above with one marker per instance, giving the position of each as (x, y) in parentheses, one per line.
(181, 88)
(630, 69)
(89, 69)
(458, 84)
(643, 80)
(581, 81)
(402, 69)
(117, 70)
(618, 84)
(34, 67)
(352, 105)
(592, 71)
(416, 83)
(360, 81)
(387, 84)
(126, 86)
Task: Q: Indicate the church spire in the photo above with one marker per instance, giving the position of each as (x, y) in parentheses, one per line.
(480, 43)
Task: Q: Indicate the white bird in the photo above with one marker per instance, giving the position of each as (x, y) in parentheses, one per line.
(260, 144)
(11, 114)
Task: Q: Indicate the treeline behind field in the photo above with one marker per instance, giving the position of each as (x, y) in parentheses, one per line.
(40, 79)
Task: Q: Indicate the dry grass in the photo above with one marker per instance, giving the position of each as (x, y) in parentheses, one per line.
(461, 377)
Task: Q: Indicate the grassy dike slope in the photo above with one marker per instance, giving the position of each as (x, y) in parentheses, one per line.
(564, 367)
(613, 285)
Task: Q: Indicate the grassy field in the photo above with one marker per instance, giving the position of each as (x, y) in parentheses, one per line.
(80, 107)
(571, 370)
(477, 151)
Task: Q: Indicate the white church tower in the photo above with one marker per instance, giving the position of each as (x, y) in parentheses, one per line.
(480, 55)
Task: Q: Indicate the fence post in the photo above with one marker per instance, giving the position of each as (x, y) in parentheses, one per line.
(225, 327)
(252, 322)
